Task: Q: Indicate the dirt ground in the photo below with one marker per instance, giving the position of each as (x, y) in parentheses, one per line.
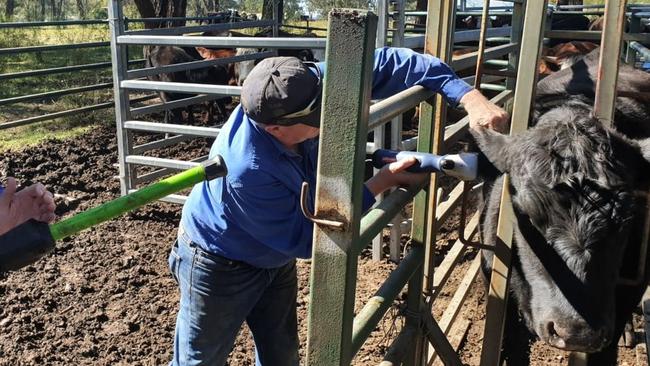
(105, 297)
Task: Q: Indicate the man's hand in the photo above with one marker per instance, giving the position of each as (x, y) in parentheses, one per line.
(484, 113)
(33, 202)
(395, 174)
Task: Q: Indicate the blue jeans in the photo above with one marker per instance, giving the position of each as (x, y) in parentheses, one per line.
(218, 295)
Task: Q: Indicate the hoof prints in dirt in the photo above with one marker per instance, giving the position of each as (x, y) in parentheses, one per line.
(104, 296)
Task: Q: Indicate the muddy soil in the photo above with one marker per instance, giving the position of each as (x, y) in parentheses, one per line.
(105, 297)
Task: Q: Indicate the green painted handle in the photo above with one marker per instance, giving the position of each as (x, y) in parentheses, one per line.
(208, 170)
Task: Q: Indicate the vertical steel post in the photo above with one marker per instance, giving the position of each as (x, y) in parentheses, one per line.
(396, 130)
(379, 133)
(350, 56)
(610, 55)
(438, 42)
(531, 43)
(121, 96)
(515, 37)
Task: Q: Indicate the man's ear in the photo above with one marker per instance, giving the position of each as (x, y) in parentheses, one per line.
(494, 146)
(274, 130)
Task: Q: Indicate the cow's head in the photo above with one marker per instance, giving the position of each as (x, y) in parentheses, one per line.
(575, 186)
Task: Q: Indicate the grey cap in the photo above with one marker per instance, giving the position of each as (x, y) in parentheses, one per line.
(282, 91)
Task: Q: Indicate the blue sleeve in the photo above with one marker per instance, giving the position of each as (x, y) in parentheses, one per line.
(368, 199)
(397, 69)
(2, 189)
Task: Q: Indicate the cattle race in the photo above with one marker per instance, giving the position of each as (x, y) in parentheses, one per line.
(281, 182)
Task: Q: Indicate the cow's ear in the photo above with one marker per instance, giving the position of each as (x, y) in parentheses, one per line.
(644, 169)
(494, 146)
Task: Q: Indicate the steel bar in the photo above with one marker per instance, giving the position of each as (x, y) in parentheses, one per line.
(250, 42)
(202, 28)
(440, 343)
(160, 162)
(159, 173)
(171, 128)
(58, 47)
(456, 302)
(481, 45)
(184, 66)
(452, 257)
(62, 69)
(385, 110)
(377, 218)
(595, 35)
(610, 57)
(373, 311)
(159, 144)
(350, 51)
(171, 105)
(303, 27)
(460, 36)
(180, 87)
(634, 26)
(469, 59)
(524, 94)
(119, 58)
(51, 116)
(13, 25)
(54, 94)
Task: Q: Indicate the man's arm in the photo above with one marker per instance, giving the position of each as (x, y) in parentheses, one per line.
(397, 69)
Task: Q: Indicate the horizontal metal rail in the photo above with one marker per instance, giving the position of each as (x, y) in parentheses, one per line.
(172, 128)
(160, 162)
(167, 19)
(370, 315)
(183, 66)
(156, 174)
(377, 218)
(455, 131)
(595, 35)
(250, 42)
(149, 109)
(51, 23)
(203, 28)
(55, 115)
(460, 36)
(181, 87)
(159, 144)
(58, 47)
(62, 69)
(385, 110)
(303, 27)
(469, 59)
(55, 94)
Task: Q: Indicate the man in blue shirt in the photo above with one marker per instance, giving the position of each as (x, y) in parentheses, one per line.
(234, 259)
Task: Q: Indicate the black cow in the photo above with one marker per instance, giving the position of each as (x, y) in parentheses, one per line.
(156, 56)
(579, 193)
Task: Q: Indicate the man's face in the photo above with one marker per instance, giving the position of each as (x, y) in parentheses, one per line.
(294, 134)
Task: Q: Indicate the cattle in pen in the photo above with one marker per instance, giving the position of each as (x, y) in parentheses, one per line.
(579, 193)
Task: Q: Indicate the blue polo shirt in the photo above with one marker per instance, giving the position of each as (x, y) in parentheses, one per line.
(253, 214)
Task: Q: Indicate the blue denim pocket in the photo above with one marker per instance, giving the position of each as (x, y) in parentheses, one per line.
(217, 262)
(174, 261)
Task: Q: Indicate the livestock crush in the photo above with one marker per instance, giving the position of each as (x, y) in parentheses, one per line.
(335, 332)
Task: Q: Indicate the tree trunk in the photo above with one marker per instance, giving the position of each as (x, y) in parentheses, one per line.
(267, 10)
(162, 9)
(43, 6)
(9, 9)
(81, 9)
(569, 2)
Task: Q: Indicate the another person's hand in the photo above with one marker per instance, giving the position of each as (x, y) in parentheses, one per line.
(484, 113)
(33, 202)
(395, 174)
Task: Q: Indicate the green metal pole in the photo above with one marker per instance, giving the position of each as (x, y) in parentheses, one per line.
(208, 170)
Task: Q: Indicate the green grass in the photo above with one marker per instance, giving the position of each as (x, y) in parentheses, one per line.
(66, 126)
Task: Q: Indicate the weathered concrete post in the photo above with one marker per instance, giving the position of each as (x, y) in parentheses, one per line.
(346, 101)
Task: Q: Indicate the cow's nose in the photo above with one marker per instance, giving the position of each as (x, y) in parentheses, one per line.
(577, 336)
